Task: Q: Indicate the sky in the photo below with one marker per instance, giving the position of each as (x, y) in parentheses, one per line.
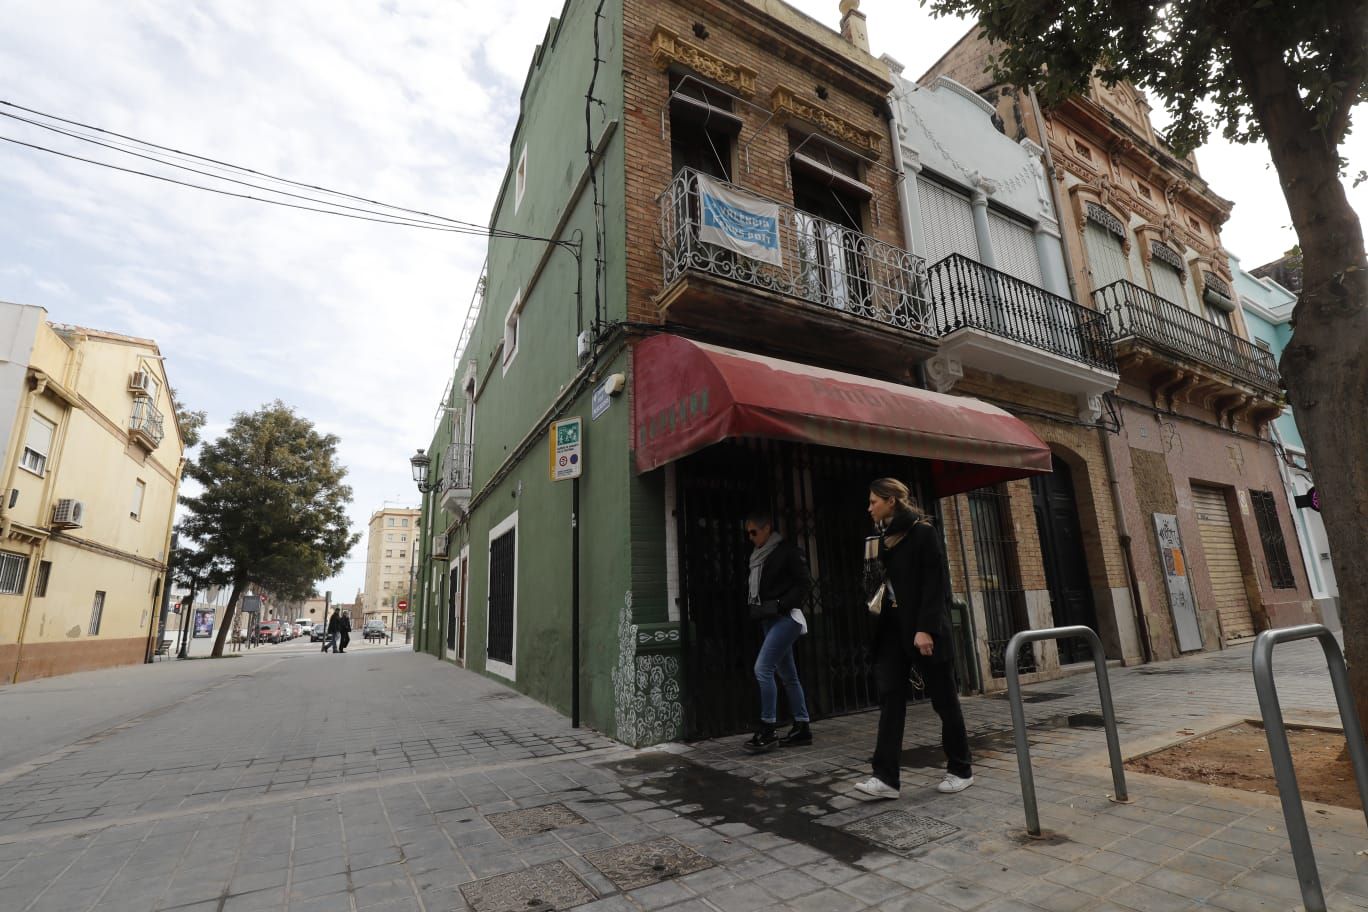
(407, 101)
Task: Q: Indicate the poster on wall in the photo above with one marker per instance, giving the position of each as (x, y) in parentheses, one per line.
(1183, 605)
(204, 623)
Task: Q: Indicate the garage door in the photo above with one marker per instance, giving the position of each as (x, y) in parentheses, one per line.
(1223, 562)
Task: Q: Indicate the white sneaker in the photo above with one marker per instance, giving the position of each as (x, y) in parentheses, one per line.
(876, 788)
(952, 783)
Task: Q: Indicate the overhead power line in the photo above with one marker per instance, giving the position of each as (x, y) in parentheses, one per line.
(385, 213)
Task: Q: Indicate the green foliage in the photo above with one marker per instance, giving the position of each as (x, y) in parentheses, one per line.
(1183, 52)
(273, 506)
(189, 422)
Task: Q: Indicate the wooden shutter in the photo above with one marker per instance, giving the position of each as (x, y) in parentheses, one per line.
(1106, 257)
(1014, 249)
(947, 222)
(1168, 283)
(1223, 562)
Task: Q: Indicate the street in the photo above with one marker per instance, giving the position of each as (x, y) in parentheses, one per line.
(285, 779)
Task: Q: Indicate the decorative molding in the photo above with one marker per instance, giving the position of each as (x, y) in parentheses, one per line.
(668, 48)
(1163, 252)
(944, 371)
(1096, 213)
(1090, 408)
(945, 82)
(647, 704)
(787, 105)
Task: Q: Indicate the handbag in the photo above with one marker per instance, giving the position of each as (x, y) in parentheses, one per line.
(875, 601)
(764, 611)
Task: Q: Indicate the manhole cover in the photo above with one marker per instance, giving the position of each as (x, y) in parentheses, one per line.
(644, 863)
(542, 888)
(530, 821)
(899, 831)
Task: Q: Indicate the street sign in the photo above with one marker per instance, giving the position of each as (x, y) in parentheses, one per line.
(1311, 500)
(567, 448)
(601, 400)
(251, 604)
(403, 605)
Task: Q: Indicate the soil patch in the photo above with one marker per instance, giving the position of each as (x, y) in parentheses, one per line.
(1237, 757)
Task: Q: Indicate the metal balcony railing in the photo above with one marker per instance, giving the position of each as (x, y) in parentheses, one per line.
(456, 471)
(967, 293)
(1139, 312)
(821, 262)
(147, 420)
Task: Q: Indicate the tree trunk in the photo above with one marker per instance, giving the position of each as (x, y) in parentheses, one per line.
(227, 622)
(1324, 367)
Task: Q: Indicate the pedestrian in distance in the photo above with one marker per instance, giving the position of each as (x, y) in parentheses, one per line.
(345, 641)
(778, 586)
(907, 581)
(334, 631)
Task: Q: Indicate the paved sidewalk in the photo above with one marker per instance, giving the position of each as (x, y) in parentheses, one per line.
(381, 780)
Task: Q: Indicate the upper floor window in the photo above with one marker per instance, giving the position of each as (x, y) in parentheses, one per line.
(389, 521)
(38, 445)
(1104, 239)
(139, 492)
(1014, 247)
(520, 180)
(1167, 274)
(1264, 344)
(404, 522)
(97, 613)
(703, 128)
(389, 552)
(389, 536)
(512, 323)
(150, 384)
(947, 221)
(13, 573)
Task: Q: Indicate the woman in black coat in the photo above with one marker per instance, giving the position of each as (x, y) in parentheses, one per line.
(913, 631)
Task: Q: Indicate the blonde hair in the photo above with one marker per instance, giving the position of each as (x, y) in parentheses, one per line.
(901, 495)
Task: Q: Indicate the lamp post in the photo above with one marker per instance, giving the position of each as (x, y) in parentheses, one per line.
(420, 462)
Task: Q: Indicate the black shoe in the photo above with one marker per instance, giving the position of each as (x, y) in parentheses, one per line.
(798, 736)
(762, 741)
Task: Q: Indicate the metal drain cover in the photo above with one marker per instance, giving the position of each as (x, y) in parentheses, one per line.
(899, 831)
(533, 820)
(644, 863)
(542, 888)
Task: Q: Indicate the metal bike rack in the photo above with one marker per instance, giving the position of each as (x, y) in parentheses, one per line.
(1023, 748)
(1280, 752)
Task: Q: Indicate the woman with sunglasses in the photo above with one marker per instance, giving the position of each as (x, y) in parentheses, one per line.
(913, 631)
(778, 585)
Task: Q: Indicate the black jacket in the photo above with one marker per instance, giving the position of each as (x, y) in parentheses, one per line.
(335, 624)
(920, 577)
(785, 578)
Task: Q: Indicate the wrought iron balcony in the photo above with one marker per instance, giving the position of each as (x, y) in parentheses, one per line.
(456, 476)
(968, 294)
(819, 262)
(1139, 313)
(146, 423)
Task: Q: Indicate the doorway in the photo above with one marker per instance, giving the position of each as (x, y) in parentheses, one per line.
(1061, 551)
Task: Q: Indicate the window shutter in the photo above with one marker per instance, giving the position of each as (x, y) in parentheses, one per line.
(1168, 283)
(1106, 257)
(1014, 249)
(947, 222)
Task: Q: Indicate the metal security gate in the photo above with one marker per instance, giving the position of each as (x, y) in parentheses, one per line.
(502, 570)
(1223, 562)
(1004, 600)
(820, 497)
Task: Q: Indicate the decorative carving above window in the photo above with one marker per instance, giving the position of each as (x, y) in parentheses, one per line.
(668, 48)
(787, 105)
(1108, 221)
(1217, 292)
(1216, 284)
(1163, 252)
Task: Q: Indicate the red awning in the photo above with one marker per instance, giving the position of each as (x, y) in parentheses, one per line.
(689, 395)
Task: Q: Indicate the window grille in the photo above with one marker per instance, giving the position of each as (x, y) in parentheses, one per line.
(97, 613)
(13, 573)
(502, 565)
(1274, 545)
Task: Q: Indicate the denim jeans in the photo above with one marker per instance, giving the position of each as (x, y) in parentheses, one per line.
(776, 655)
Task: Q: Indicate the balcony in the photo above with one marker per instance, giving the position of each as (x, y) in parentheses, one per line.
(832, 294)
(1182, 354)
(145, 425)
(1002, 325)
(456, 477)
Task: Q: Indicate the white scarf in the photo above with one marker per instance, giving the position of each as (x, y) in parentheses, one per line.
(757, 562)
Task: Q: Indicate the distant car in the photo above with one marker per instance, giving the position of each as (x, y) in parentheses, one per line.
(318, 633)
(305, 626)
(269, 632)
(375, 630)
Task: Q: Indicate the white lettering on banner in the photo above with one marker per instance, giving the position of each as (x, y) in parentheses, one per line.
(739, 222)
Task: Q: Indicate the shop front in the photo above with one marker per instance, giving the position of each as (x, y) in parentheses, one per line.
(734, 432)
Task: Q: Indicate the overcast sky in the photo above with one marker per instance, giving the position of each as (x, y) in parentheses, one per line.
(406, 101)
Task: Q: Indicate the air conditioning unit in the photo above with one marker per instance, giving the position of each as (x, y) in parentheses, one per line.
(68, 514)
(140, 383)
(439, 546)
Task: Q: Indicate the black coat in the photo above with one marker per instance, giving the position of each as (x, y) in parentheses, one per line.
(784, 578)
(917, 570)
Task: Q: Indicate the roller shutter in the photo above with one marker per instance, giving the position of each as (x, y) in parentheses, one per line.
(1106, 256)
(1014, 249)
(1223, 562)
(947, 222)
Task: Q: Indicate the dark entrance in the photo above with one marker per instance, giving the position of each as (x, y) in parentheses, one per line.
(1061, 549)
(819, 496)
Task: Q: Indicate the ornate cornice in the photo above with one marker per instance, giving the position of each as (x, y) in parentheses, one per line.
(787, 105)
(668, 48)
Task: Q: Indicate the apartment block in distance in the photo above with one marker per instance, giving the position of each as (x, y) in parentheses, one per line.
(391, 536)
(92, 463)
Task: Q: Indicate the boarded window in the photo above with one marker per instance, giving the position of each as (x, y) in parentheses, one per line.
(1274, 545)
(502, 593)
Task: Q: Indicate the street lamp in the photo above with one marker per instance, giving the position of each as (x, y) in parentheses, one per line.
(421, 461)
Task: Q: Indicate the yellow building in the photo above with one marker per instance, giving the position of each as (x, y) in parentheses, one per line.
(92, 463)
(393, 534)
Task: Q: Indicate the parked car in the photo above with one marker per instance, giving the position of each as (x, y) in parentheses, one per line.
(305, 626)
(269, 632)
(375, 630)
(318, 633)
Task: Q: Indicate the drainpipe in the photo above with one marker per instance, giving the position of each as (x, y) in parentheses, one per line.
(968, 593)
(1123, 534)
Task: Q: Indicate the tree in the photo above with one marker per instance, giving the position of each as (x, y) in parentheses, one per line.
(273, 507)
(195, 570)
(1288, 72)
(189, 422)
